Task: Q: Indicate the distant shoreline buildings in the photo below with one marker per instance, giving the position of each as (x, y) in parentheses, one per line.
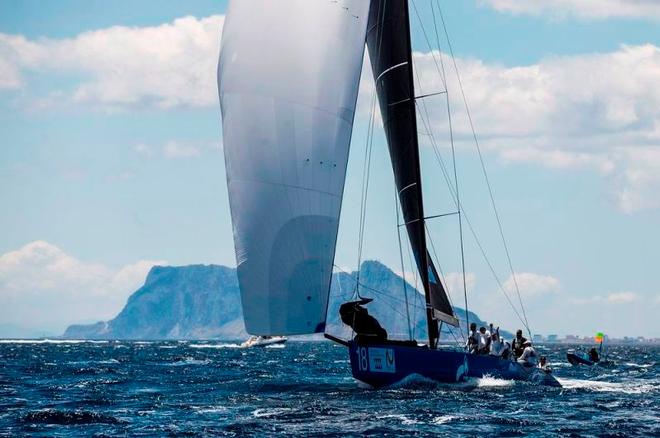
(576, 339)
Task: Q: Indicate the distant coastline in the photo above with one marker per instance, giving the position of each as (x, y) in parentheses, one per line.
(303, 338)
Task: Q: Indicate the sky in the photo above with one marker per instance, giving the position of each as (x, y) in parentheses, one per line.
(111, 158)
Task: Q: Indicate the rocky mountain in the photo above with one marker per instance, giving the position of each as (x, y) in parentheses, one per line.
(186, 302)
(203, 302)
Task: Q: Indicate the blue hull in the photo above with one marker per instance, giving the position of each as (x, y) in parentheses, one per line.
(385, 364)
(577, 359)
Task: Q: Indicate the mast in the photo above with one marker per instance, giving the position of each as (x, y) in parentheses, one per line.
(390, 51)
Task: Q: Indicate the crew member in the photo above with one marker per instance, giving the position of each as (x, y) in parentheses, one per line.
(528, 356)
(366, 327)
(484, 341)
(472, 343)
(518, 344)
(543, 364)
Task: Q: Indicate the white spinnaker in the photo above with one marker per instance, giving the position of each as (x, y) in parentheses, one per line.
(288, 79)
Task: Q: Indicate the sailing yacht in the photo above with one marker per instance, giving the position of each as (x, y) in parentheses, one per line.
(288, 78)
(263, 341)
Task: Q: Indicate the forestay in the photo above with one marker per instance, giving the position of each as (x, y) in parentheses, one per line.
(288, 79)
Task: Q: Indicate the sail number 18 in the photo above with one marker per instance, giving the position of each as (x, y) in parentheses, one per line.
(363, 362)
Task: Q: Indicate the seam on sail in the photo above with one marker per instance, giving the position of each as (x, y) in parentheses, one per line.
(295, 102)
(287, 185)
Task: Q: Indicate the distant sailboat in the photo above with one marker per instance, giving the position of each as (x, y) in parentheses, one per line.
(288, 80)
(263, 341)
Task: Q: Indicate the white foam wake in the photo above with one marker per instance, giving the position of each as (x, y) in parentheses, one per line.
(444, 419)
(273, 412)
(598, 386)
(50, 341)
(493, 382)
(215, 345)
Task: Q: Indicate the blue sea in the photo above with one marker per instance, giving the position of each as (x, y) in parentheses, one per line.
(117, 388)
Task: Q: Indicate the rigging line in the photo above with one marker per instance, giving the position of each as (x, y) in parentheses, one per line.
(435, 255)
(467, 219)
(429, 132)
(440, 268)
(424, 219)
(365, 189)
(464, 212)
(416, 301)
(483, 167)
(437, 39)
(377, 291)
(444, 82)
(392, 306)
(403, 269)
(423, 96)
(453, 156)
(427, 126)
(451, 332)
(383, 294)
(368, 149)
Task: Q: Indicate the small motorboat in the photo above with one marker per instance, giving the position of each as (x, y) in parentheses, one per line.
(591, 357)
(576, 357)
(263, 341)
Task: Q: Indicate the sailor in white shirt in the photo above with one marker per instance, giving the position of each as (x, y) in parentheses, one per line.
(497, 345)
(484, 340)
(472, 343)
(528, 357)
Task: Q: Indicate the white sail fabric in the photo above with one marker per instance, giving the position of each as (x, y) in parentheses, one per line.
(288, 79)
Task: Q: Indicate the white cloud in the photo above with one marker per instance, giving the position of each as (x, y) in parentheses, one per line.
(43, 287)
(454, 283)
(163, 66)
(144, 150)
(621, 297)
(531, 284)
(174, 149)
(590, 9)
(598, 113)
(611, 298)
(10, 76)
(638, 183)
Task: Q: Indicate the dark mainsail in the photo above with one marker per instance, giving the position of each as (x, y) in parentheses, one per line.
(388, 41)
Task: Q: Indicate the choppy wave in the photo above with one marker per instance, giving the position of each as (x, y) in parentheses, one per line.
(638, 365)
(211, 410)
(50, 341)
(267, 413)
(444, 419)
(203, 388)
(275, 346)
(628, 387)
(398, 417)
(216, 346)
(67, 417)
(190, 361)
(414, 381)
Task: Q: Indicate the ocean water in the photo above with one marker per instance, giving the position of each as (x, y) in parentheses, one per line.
(73, 388)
